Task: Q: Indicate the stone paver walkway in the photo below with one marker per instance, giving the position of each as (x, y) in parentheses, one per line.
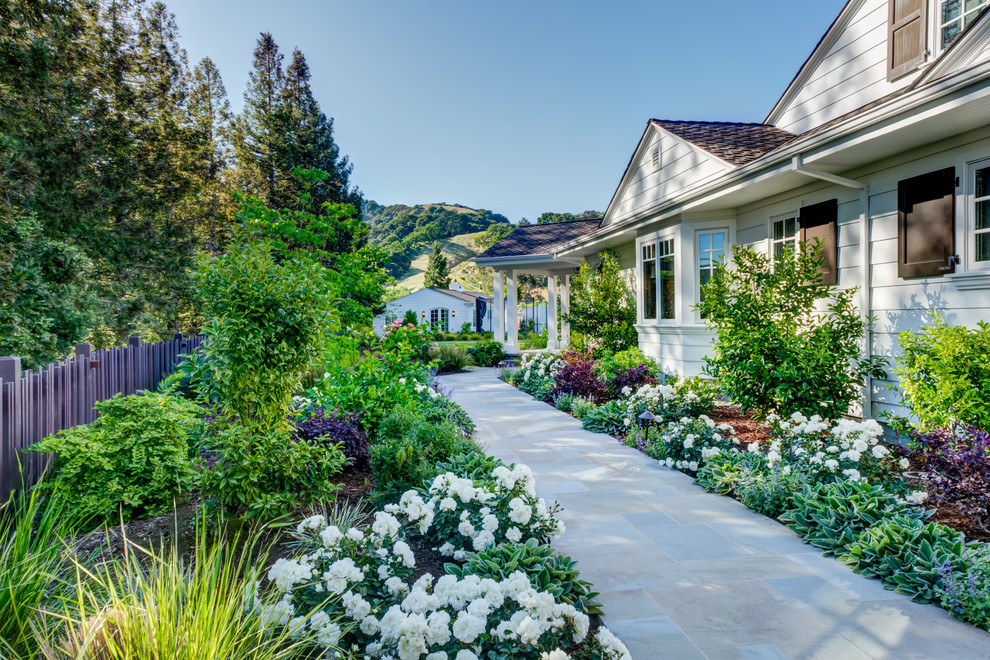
(687, 574)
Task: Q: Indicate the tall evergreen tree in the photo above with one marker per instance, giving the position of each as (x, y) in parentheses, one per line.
(437, 270)
(259, 134)
(211, 206)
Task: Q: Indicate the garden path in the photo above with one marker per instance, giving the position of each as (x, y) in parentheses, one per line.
(688, 574)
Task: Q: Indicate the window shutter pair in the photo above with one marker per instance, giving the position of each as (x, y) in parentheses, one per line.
(926, 224)
(907, 31)
(821, 221)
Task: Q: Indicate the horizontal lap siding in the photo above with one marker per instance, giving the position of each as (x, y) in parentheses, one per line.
(851, 75)
(676, 351)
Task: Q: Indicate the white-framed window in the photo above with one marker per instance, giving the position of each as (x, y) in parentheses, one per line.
(954, 16)
(711, 255)
(440, 318)
(978, 220)
(658, 290)
(784, 234)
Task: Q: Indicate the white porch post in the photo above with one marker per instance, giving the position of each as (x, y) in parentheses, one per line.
(498, 307)
(552, 341)
(511, 314)
(565, 308)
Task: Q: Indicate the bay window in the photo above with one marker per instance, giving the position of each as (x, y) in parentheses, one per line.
(711, 255)
(658, 290)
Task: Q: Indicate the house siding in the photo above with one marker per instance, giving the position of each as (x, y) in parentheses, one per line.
(852, 74)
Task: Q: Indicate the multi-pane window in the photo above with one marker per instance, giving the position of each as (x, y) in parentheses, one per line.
(785, 236)
(956, 15)
(981, 214)
(665, 262)
(440, 318)
(650, 282)
(711, 254)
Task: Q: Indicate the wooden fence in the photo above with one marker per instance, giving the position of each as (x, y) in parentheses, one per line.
(37, 403)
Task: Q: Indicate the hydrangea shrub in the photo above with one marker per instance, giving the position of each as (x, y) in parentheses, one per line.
(687, 443)
(684, 397)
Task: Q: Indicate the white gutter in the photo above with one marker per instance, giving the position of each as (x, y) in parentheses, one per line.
(866, 292)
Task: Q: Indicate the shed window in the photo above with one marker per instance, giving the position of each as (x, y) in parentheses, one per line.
(926, 224)
(440, 319)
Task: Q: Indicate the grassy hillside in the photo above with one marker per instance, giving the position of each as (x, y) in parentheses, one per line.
(458, 249)
(405, 232)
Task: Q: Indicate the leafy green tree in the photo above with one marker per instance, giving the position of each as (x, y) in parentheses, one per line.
(550, 216)
(437, 272)
(603, 307)
(785, 342)
(493, 235)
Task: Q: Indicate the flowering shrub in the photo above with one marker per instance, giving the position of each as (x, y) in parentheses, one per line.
(632, 379)
(581, 407)
(965, 592)
(684, 397)
(577, 376)
(847, 450)
(958, 462)
(687, 443)
(771, 492)
(631, 368)
(537, 374)
(458, 514)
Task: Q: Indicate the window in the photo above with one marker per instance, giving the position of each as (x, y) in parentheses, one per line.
(907, 29)
(955, 16)
(711, 254)
(926, 224)
(650, 282)
(440, 319)
(666, 259)
(980, 214)
(784, 236)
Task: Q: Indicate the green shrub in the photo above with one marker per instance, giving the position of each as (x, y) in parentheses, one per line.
(776, 349)
(672, 401)
(450, 358)
(906, 555)
(132, 461)
(603, 307)
(965, 592)
(606, 418)
(830, 516)
(546, 569)
(439, 409)
(564, 402)
(687, 443)
(580, 407)
(265, 474)
(770, 492)
(192, 380)
(724, 472)
(408, 447)
(486, 353)
(609, 366)
(945, 375)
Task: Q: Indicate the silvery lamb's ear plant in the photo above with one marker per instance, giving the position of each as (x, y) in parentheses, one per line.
(906, 555)
(829, 516)
(546, 569)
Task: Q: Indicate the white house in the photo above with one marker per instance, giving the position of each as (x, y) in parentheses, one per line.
(448, 309)
(880, 146)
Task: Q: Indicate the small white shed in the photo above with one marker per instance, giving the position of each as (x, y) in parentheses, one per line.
(446, 308)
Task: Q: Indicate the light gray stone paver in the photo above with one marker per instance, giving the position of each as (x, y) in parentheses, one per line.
(688, 574)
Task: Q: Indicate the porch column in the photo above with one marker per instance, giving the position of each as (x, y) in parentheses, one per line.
(552, 340)
(511, 314)
(565, 308)
(498, 307)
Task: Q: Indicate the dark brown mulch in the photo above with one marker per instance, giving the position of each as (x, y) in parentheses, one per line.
(428, 560)
(748, 430)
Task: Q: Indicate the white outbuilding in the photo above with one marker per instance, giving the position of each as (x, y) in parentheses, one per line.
(447, 309)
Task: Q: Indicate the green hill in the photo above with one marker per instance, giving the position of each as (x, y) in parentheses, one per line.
(405, 232)
(458, 249)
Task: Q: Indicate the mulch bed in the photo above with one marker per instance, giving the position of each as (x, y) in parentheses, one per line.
(748, 430)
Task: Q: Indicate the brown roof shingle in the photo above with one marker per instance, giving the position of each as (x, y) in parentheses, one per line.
(734, 142)
(539, 239)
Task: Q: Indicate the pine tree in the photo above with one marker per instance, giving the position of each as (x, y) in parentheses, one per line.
(212, 206)
(258, 137)
(437, 270)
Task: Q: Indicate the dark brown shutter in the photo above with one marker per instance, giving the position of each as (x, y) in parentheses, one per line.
(821, 221)
(907, 30)
(926, 224)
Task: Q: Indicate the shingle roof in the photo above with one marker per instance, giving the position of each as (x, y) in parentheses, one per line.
(539, 239)
(469, 296)
(733, 142)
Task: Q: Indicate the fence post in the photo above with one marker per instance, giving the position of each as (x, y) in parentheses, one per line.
(10, 426)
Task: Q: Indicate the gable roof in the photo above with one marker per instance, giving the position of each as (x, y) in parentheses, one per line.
(469, 296)
(539, 239)
(736, 143)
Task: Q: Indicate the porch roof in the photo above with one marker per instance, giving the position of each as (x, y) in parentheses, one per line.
(535, 243)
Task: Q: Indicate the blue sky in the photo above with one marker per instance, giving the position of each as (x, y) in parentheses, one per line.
(519, 107)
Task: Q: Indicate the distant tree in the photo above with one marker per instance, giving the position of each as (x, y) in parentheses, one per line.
(524, 221)
(493, 235)
(437, 271)
(410, 317)
(394, 293)
(550, 216)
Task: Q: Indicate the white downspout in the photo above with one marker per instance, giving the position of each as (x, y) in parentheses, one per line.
(866, 291)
